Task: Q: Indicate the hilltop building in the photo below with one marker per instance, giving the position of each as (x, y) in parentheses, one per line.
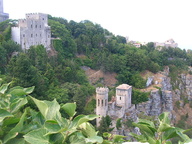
(119, 104)
(3, 16)
(167, 43)
(33, 30)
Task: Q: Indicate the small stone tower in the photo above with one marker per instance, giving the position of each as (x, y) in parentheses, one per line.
(123, 95)
(101, 102)
(3, 16)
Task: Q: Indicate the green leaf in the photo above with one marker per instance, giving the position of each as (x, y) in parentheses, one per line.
(182, 135)
(4, 114)
(106, 134)
(53, 109)
(94, 139)
(14, 132)
(49, 109)
(118, 138)
(77, 138)
(37, 136)
(164, 118)
(42, 106)
(81, 119)
(163, 127)
(168, 142)
(145, 129)
(70, 108)
(52, 126)
(140, 138)
(4, 88)
(29, 90)
(146, 122)
(17, 141)
(17, 104)
(170, 133)
(88, 130)
(18, 92)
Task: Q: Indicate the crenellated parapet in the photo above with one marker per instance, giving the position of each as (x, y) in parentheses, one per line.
(102, 90)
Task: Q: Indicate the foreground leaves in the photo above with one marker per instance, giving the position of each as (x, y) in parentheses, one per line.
(160, 134)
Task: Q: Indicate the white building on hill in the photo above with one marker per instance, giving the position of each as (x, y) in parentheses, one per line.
(33, 30)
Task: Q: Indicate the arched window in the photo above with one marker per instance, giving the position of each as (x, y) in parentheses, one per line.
(120, 98)
(98, 102)
(105, 102)
(102, 103)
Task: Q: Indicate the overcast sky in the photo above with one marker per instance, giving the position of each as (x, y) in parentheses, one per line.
(140, 20)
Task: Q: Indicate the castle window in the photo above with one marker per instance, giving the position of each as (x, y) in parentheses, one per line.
(23, 35)
(43, 18)
(98, 102)
(31, 26)
(35, 26)
(40, 26)
(102, 103)
(40, 35)
(105, 102)
(31, 35)
(36, 35)
(120, 98)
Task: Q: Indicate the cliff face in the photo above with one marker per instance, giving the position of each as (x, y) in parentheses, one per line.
(165, 95)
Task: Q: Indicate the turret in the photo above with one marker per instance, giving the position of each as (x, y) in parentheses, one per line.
(101, 102)
(123, 95)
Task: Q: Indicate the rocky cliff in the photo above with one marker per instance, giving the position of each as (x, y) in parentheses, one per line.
(163, 97)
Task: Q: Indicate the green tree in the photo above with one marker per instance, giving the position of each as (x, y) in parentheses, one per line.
(3, 59)
(139, 97)
(105, 124)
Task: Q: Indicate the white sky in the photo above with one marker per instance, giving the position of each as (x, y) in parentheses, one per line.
(141, 20)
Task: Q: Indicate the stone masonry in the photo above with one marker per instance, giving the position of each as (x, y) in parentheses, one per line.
(33, 30)
(3, 16)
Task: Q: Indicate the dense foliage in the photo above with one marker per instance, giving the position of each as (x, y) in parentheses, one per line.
(60, 76)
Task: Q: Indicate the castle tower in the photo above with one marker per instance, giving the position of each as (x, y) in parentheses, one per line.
(1, 6)
(101, 102)
(3, 16)
(32, 31)
(123, 95)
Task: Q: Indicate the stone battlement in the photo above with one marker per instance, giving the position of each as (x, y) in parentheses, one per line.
(102, 90)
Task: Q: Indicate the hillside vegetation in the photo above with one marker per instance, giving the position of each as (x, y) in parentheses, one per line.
(60, 75)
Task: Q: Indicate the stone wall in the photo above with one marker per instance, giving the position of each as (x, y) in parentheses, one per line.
(33, 30)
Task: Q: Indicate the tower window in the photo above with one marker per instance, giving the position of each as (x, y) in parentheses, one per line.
(98, 102)
(23, 35)
(102, 103)
(36, 35)
(105, 102)
(31, 26)
(31, 35)
(40, 26)
(120, 98)
(35, 26)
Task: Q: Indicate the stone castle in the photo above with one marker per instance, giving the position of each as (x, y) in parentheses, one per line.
(119, 104)
(3, 16)
(167, 43)
(33, 30)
